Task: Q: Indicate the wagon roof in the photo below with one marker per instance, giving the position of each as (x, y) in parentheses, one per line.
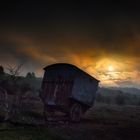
(69, 66)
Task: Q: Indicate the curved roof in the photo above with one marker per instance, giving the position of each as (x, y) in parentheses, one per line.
(69, 66)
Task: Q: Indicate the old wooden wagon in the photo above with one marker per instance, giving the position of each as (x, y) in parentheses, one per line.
(68, 89)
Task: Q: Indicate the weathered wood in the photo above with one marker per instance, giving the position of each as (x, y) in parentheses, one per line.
(65, 82)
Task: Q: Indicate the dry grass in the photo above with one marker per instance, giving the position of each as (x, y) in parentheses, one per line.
(102, 122)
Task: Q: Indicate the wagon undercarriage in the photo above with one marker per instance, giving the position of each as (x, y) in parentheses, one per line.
(73, 113)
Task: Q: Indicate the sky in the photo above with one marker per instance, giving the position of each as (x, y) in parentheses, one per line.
(101, 38)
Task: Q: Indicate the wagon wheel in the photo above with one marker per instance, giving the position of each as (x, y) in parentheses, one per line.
(75, 112)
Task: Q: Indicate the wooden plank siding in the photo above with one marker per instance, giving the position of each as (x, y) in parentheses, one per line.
(62, 82)
(57, 92)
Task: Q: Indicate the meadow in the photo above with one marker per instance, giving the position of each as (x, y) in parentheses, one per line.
(102, 122)
(114, 116)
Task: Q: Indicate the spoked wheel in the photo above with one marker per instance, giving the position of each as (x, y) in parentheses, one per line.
(75, 112)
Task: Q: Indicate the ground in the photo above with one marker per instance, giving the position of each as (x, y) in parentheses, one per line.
(102, 122)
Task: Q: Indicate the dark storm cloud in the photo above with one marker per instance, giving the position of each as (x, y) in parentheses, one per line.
(9, 47)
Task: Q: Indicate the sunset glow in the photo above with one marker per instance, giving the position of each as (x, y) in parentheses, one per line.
(106, 49)
(110, 68)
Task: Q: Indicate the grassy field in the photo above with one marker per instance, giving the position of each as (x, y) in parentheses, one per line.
(11, 132)
(102, 122)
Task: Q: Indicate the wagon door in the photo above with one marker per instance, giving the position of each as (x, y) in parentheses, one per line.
(49, 87)
(58, 92)
(62, 92)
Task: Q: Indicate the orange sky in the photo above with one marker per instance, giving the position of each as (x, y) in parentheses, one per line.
(87, 54)
(102, 39)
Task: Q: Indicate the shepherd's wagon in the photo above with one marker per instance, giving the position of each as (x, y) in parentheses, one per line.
(68, 89)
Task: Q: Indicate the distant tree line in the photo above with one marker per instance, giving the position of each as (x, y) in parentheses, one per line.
(119, 98)
(14, 83)
(30, 75)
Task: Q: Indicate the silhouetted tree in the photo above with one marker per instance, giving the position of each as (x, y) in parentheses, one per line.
(13, 83)
(4, 102)
(1, 70)
(33, 75)
(15, 71)
(30, 75)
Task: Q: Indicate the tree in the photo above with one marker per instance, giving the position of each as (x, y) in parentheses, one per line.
(30, 75)
(16, 70)
(15, 88)
(4, 102)
(33, 75)
(1, 70)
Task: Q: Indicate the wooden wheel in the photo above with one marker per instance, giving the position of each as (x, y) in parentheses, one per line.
(75, 112)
